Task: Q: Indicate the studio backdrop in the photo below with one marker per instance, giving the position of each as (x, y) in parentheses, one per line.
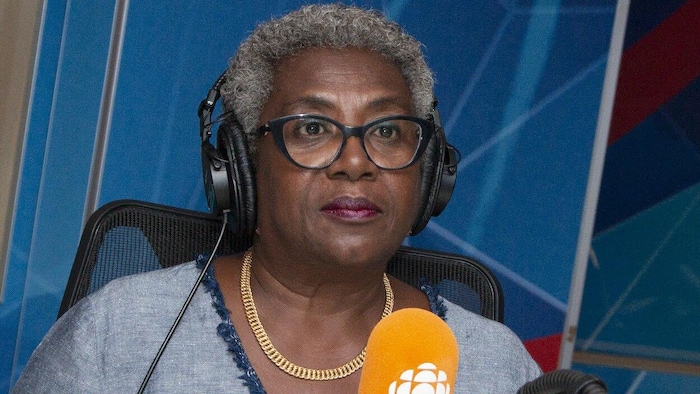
(113, 115)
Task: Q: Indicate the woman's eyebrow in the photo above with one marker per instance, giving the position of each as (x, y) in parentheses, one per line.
(388, 102)
(393, 103)
(309, 102)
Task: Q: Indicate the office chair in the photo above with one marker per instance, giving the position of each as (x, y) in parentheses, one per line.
(127, 237)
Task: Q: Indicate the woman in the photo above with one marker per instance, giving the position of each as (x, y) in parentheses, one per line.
(329, 217)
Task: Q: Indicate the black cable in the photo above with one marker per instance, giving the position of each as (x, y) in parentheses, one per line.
(176, 323)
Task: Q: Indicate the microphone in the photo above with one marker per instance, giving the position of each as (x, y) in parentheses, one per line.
(410, 351)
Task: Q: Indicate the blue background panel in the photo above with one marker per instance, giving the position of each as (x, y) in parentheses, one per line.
(659, 158)
(56, 162)
(640, 303)
(621, 381)
(644, 289)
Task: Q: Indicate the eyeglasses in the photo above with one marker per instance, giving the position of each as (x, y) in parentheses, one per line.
(315, 142)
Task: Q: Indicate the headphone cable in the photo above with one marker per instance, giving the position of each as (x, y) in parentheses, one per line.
(176, 323)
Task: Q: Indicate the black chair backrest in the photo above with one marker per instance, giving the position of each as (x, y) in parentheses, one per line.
(127, 237)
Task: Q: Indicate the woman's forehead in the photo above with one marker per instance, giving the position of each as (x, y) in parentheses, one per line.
(322, 78)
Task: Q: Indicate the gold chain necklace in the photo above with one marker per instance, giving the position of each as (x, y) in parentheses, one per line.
(278, 359)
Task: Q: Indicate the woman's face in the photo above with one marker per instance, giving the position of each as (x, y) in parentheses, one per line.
(351, 211)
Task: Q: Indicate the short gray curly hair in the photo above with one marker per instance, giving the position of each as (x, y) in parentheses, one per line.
(250, 74)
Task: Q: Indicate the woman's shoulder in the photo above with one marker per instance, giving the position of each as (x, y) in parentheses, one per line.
(109, 338)
(164, 280)
(463, 320)
(494, 355)
(158, 290)
(469, 326)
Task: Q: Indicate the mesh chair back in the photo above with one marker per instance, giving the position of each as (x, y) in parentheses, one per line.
(462, 280)
(127, 237)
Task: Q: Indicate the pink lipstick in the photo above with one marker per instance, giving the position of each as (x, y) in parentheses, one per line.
(351, 208)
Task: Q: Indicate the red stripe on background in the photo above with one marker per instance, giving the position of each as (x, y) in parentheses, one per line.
(545, 351)
(656, 68)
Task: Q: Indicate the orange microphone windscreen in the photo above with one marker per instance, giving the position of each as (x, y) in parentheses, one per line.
(411, 351)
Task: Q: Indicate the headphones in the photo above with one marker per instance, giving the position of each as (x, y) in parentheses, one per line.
(229, 180)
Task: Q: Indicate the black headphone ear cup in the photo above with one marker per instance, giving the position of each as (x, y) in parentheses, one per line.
(448, 178)
(232, 143)
(216, 183)
(432, 168)
(438, 182)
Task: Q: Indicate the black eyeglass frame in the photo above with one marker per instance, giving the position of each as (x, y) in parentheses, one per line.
(275, 127)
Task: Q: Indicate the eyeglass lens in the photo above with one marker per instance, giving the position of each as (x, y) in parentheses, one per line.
(315, 143)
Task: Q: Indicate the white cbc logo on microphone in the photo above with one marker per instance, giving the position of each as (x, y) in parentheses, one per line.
(426, 379)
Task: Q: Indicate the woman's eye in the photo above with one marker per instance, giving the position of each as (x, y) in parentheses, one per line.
(311, 129)
(387, 131)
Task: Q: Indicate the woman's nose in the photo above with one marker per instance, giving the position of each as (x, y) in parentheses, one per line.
(353, 162)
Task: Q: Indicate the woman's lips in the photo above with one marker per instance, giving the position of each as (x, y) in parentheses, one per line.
(351, 208)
